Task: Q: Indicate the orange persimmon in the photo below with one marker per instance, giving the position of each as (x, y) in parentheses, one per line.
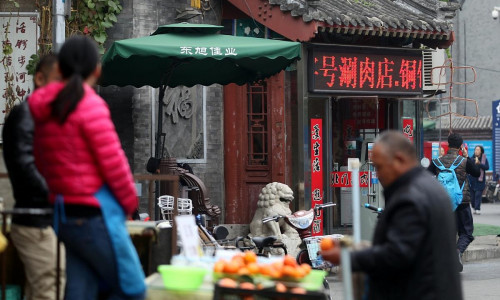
(228, 283)
(327, 244)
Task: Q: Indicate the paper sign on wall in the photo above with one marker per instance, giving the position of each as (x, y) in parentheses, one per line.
(19, 41)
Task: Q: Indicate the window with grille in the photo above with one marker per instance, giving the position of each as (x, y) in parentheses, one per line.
(257, 116)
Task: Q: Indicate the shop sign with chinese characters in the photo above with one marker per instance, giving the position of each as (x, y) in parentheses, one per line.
(317, 173)
(20, 33)
(364, 70)
(208, 51)
(344, 179)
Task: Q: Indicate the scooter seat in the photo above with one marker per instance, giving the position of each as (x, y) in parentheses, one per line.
(261, 242)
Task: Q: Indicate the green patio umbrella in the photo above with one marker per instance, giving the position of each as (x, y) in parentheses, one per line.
(189, 54)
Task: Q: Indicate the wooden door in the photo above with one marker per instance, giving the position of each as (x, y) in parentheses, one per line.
(254, 144)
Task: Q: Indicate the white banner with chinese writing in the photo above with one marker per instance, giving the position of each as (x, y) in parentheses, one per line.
(18, 32)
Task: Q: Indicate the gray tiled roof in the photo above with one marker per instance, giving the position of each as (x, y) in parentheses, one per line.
(407, 16)
(481, 122)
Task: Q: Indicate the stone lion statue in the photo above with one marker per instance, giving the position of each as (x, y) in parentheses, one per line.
(274, 199)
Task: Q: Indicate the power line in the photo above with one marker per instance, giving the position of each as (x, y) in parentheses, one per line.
(486, 69)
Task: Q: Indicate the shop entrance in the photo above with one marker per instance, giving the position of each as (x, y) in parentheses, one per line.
(356, 123)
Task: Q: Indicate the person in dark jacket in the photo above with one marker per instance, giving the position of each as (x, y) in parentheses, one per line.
(413, 251)
(465, 226)
(32, 235)
(477, 184)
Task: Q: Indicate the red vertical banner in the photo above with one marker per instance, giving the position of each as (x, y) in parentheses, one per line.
(408, 128)
(317, 173)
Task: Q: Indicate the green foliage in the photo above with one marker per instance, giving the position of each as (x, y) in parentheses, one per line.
(15, 3)
(93, 17)
(31, 66)
(448, 52)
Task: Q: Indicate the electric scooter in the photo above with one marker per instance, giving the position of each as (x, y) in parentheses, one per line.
(302, 221)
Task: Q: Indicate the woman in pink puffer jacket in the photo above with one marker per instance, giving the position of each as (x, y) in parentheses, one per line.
(78, 152)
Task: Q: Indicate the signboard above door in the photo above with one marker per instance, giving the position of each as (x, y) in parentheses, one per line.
(364, 70)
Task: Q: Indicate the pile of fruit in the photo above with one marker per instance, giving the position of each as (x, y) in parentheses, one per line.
(246, 264)
(279, 286)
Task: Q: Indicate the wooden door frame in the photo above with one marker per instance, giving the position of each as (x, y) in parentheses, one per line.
(235, 166)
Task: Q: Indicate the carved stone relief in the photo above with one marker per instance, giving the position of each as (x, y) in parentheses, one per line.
(183, 122)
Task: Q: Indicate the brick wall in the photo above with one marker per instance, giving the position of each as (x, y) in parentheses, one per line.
(24, 6)
(131, 107)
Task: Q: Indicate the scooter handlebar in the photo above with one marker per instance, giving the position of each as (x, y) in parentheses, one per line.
(272, 218)
(324, 205)
(374, 208)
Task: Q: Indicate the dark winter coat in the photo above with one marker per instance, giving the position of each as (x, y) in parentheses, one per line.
(466, 167)
(474, 182)
(29, 187)
(413, 255)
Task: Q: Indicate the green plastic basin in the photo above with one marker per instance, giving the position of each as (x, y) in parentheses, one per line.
(182, 278)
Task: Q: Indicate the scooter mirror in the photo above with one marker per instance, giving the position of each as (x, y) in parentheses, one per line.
(425, 162)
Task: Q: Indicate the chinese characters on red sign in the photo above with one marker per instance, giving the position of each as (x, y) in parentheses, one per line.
(380, 71)
(317, 173)
(408, 128)
(344, 179)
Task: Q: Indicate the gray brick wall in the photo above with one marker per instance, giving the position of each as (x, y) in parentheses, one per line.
(24, 6)
(131, 108)
(477, 45)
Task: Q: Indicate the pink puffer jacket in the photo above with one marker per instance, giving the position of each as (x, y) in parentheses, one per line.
(80, 156)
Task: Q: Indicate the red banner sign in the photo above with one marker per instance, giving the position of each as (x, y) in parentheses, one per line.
(365, 70)
(317, 173)
(408, 128)
(343, 179)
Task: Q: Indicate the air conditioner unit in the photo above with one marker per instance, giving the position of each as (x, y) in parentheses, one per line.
(434, 58)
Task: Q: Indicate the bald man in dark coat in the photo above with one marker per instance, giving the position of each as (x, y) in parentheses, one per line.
(413, 254)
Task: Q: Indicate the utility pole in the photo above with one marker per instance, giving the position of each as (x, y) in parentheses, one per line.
(58, 24)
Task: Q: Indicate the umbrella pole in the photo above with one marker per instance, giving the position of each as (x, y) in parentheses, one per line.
(158, 144)
(160, 122)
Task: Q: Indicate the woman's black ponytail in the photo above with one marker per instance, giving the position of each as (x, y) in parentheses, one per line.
(78, 58)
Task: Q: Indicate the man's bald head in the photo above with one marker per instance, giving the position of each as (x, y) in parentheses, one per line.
(393, 155)
(394, 141)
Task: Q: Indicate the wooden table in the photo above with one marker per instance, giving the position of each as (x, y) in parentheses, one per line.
(173, 186)
(157, 291)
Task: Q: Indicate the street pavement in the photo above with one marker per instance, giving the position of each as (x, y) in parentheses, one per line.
(490, 214)
(485, 247)
(481, 280)
(481, 274)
